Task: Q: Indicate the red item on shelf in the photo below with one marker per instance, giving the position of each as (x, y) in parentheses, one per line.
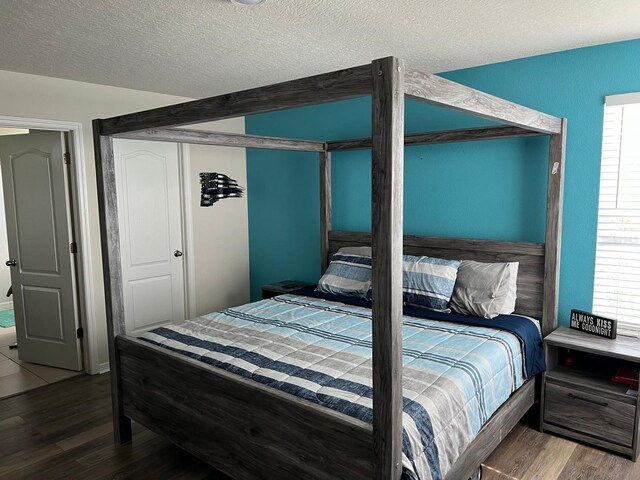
(567, 360)
(626, 376)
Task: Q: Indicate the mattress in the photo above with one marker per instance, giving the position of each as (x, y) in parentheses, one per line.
(457, 372)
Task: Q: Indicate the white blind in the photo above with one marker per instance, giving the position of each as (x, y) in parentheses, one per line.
(616, 290)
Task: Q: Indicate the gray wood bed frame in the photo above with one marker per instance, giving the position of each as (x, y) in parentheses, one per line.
(251, 431)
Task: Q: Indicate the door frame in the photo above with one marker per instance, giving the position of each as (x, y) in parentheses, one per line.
(85, 284)
(188, 243)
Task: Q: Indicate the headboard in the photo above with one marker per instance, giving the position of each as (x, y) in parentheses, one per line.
(530, 256)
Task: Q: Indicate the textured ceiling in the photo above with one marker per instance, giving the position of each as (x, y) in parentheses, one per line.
(198, 48)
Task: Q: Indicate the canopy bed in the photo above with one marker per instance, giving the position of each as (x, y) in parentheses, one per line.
(247, 428)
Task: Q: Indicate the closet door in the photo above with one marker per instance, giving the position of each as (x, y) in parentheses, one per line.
(149, 212)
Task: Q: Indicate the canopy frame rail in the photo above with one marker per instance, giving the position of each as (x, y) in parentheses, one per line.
(339, 85)
(441, 136)
(223, 139)
(388, 83)
(439, 91)
(328, 87)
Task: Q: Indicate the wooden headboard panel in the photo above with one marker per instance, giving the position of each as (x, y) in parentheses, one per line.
(530, 256)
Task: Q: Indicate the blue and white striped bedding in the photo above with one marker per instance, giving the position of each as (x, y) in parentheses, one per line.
(455, 376)
(347, 274)
(428, 281)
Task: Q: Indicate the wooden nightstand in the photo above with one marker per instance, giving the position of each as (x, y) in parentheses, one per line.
(279, 288)
(581, 401)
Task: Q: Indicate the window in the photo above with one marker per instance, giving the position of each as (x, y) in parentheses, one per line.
(616, 291)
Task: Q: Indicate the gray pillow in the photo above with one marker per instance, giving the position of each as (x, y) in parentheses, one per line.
(481, 289)
(362, 251)
(509, 305)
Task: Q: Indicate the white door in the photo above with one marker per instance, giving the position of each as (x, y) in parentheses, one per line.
(149, 213)
(36, 196)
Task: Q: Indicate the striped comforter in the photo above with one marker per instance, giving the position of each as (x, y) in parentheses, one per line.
(455, 376)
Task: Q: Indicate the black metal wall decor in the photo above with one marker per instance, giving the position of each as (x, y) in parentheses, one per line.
(216, 186)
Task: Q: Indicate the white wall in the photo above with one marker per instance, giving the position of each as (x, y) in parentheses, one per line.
(40, 97)
(221, 238)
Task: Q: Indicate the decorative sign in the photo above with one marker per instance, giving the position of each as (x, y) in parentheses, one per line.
(216, 186)
(593, 324)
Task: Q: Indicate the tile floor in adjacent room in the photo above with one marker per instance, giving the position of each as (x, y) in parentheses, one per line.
(17, 376)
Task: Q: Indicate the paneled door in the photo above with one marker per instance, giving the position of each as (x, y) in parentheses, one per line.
(149, 212)
(39, 237)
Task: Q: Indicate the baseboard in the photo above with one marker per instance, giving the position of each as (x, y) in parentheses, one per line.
(6, 306)
(103, 368)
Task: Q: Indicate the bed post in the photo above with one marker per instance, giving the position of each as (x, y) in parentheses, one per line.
(325, 208)
(111, 267)
(555, 188)
(386, 227)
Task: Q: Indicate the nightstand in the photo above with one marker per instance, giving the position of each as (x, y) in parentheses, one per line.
(279, 288)
(580, 400)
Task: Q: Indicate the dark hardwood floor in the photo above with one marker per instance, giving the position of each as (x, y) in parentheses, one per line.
(64, 431)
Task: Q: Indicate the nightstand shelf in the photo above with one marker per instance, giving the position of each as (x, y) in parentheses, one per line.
(580, 400)
(594, 383)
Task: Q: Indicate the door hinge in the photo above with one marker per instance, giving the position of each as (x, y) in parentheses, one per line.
(67, 158)
(73, 247)
(80, 332)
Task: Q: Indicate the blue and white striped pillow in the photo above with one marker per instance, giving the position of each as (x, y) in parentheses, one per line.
(347, 274)
(428, 282)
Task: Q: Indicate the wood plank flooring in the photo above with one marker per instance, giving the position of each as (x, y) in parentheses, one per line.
(63, 430)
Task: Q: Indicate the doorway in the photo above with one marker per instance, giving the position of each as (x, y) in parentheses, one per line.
(153, 226)
(40, 248)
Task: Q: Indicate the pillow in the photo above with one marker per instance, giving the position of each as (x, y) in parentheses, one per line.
(428, 282)
(347, 274)
(485, 289)
(512, 279)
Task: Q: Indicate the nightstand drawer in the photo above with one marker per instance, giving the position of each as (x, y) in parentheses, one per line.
(589, 414)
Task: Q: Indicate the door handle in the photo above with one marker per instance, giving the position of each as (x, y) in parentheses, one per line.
(177, 253)
(11, 263)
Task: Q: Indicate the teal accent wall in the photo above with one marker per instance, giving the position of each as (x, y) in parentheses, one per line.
(490, 189)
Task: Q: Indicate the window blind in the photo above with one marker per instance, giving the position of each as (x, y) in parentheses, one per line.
(616, 290)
